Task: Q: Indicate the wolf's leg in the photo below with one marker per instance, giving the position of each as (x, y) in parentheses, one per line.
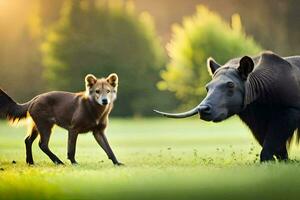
(33, 133)
(72, 138)
(44, 129)
(102, 141)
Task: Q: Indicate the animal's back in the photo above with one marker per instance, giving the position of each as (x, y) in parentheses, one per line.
(56, 106)
(294, 60)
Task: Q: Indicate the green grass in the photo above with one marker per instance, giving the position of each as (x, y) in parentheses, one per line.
(165, 159)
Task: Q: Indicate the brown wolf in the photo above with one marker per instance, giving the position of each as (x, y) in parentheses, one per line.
(77, 112)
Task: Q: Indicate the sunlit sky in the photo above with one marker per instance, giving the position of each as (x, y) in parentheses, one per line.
(13, 14)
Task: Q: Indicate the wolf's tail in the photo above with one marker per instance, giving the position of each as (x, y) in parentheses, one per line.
(10, 109)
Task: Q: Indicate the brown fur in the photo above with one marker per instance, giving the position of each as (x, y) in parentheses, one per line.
(75, 112)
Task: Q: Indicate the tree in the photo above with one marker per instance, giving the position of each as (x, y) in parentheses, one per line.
(101, 39)
(200, 36)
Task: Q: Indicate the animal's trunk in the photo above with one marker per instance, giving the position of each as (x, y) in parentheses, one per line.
(10, 109)
(189, 113)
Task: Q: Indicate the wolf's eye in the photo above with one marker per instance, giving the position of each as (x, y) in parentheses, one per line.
(97, 91)
(230, 84)
(108, 91)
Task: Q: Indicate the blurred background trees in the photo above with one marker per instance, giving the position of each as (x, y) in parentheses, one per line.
(202, 35)
(49, 45)
(102, 39)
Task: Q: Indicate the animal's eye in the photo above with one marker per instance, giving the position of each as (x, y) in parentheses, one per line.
(230, 84)
(97, 91)
(108, 91)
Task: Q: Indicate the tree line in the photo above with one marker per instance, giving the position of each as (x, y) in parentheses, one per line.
(61, 41)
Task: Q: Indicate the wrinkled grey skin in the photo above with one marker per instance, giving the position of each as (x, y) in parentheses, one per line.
(275, 79)
(226, 90)
(264, 91)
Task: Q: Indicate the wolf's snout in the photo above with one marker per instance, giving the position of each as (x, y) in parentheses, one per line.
(104, 101)
(205, 109)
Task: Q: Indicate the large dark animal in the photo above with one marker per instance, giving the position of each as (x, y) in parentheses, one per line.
(264, 91)
(77, 112)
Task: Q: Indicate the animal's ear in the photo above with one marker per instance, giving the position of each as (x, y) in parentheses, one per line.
(212, 66)
(113, 79)
(90, 80)
(246, 67)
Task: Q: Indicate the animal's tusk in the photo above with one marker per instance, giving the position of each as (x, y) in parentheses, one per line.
(189, 113)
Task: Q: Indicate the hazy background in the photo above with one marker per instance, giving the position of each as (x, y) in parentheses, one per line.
(51, 45)
(159, 49)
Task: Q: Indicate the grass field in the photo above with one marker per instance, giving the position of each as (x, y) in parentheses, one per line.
(165, 159)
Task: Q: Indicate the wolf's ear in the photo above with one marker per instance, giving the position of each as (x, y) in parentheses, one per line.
(113, 79)
(90, 80)
(246, 67)
(212, 65)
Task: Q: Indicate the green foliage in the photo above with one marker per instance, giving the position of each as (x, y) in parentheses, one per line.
(101, 39)
(203, 35)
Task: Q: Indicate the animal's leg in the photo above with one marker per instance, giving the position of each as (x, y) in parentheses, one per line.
(33, 133)
(280, 128)
(267, 153)
(102, 141)
(72, 138)
(273, 145)
(44, 129)
(282, 154)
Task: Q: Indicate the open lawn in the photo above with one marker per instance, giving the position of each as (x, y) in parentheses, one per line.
(165, 159)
